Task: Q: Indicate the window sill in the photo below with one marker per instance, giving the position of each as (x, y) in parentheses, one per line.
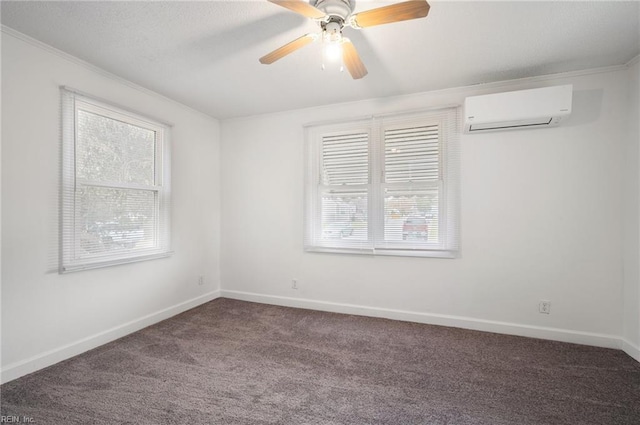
(114, 262)
(450, 254)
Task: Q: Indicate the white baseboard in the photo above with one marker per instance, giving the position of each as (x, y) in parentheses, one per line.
(576, 337)
(631, 349)
(40, 361)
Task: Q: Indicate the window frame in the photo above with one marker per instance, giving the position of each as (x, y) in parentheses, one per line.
(315, 198)
(70, 258)
(447, 185)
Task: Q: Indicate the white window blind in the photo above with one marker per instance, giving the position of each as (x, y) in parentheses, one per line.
(115, 194)
(386, 185)
(345, 159)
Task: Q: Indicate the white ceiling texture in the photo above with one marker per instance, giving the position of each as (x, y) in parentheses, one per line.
(205, 54)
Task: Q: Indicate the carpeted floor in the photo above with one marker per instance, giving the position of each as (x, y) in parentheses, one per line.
(233, 362)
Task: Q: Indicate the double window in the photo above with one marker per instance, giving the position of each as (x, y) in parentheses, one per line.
(384, 185)
(115, 185)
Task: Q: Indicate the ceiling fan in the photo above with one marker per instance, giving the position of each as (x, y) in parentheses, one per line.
(332, 16)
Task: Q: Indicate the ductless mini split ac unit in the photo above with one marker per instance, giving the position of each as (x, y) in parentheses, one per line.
(535, 108)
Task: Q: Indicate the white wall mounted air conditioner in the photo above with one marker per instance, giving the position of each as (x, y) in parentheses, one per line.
(535, 108)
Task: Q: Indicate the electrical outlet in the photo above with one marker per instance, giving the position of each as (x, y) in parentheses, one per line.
(201, 280)
(294, 284)
(544, 307)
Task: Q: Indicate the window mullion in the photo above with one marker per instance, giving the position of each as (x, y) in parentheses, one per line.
(376, 149)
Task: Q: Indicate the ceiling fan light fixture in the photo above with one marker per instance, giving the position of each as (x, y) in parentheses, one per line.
(332, 45)
(332, 16)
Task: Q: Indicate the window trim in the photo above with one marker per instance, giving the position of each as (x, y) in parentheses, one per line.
(447, 118)
(69, 258)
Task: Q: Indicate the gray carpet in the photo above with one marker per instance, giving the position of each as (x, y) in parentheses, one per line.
(234, 362)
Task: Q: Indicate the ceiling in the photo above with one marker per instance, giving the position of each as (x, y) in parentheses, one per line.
(205, 54)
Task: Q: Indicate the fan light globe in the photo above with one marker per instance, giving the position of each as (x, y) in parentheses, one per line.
(333, 51)
(332, 42)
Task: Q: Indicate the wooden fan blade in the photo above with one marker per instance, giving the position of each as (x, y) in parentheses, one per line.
(404, 11)
(287, 49)
(301, 7)
(352, 60)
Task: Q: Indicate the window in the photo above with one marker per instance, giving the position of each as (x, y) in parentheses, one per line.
(115, 185)
(384, 185)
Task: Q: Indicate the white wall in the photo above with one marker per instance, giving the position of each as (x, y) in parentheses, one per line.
(631, 221)
(47, 316)
(541, 219)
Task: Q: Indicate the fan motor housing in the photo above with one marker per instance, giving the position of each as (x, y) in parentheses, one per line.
(335, 8)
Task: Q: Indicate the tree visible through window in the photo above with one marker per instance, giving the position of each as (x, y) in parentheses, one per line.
(115, 185)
